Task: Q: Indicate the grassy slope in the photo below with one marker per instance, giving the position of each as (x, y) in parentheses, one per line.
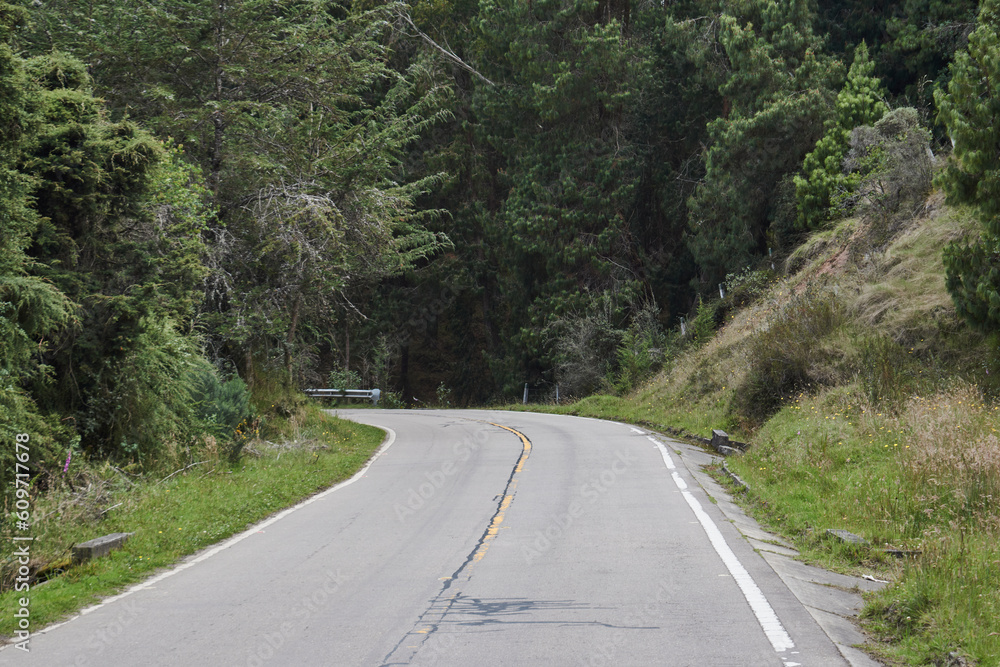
(176, 517)
(866, 403)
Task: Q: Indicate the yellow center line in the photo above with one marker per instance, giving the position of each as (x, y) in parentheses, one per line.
(498, 518)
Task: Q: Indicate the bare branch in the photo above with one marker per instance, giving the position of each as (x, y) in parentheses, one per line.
(450, 55)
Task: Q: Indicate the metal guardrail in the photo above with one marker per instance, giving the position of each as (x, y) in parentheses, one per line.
(370, 394)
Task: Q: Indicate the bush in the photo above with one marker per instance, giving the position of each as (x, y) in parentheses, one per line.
(883, 371)
(143, 406)
(641, 351)
(747, 286)
(892, 161)
(341, 378)
(223, 406)
(702, 327)
(790, 357)
(584, 353)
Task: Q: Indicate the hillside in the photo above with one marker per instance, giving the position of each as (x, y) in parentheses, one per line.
(870, 407)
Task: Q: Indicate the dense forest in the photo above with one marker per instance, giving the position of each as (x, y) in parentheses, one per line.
(200, 201)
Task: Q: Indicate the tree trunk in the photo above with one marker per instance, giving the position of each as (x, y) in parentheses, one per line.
(290, 338)
(347, 346)
(404, 374)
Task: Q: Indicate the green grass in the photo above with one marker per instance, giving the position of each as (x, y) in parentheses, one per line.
(177, 517)
(870, 408)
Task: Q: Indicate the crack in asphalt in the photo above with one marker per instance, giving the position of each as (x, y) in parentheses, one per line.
(427, 627)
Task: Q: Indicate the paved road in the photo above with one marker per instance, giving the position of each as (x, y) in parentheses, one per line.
(474, 538)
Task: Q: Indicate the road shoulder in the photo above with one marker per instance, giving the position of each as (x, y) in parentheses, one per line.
(834, 600)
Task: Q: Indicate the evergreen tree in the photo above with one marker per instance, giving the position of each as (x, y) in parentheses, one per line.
(969, 109)
(32, 310)
(560, 118)
(119, 232)
(859, 103)
(924, 36)
(300, 125)
(778, 96)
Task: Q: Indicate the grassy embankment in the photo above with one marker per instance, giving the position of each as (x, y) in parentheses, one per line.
(871, 408)
(174, 516)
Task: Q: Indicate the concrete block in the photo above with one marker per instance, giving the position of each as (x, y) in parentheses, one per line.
(847, 536)
(720, 443)
(99, 546)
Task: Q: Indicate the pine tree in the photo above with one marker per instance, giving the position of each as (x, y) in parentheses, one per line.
(859, 103)
(300, 124)
(970, 110)
(31, 309)
(779, 94)
(560, 118)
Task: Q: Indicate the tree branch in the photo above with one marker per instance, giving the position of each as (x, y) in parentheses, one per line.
(450, 55)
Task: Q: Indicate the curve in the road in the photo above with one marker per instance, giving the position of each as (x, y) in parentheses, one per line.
(429, 621)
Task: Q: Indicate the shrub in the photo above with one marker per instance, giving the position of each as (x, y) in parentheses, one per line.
(892, 163)
(342, 378)
(142, 405)
(747, 286)
(702, 327)
(884, 371)
(790, 356)
(585, 352)
(443, 394)
(222, 405)
(641, 351)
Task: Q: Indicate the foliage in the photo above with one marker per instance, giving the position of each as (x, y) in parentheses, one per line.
(789, 356)
(641, 352)
(912, 41)
(780, 94)
(859, 103)
(891, 166)
(968, 110)
(141, 404)
(119, 233)
(343, 379)
(222, 404)
(303, 157)
(443, 394)
(746, 286)
(560, 120)
(925, 36)
(584, 351)
(703, 325)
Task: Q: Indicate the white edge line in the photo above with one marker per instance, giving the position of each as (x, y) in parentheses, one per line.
(663, 452)
(768, 620)
(232, 541)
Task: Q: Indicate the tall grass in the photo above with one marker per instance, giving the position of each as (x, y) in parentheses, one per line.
(790, 355)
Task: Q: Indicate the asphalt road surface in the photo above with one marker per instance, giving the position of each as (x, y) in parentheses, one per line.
(473, 538)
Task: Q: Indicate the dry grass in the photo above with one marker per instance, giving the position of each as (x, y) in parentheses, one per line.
(954, 453)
